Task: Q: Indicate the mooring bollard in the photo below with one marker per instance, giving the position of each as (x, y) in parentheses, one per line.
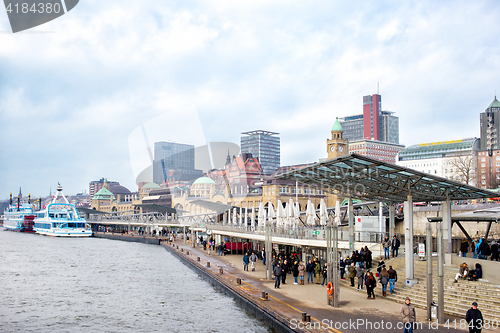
(264, 295)
(187, 253)
(177, 247)
(208, 263)
(304, 316)
(221, 271)
(308, 318)
(198, 258)
(182, 250)
(238, 281)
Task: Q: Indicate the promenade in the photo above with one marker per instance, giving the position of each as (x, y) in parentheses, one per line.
(355, 314)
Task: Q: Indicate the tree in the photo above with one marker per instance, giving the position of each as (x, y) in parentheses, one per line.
(463, 168)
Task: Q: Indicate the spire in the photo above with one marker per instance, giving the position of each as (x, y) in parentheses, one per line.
(336, 126)
(20, 193)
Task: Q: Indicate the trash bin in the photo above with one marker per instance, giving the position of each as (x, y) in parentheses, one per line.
(434, 310)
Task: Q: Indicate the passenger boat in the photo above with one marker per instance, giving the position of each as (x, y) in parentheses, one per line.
(19, 217)
(61, 219)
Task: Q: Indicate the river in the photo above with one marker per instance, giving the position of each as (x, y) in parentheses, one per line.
(99, 285)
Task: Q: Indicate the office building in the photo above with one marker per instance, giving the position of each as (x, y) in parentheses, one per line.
(382, 151)
(173, 161)
(490, 126)
(265, 146)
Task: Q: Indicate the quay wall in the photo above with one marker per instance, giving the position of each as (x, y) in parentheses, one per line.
(266, 314)
(128, 238)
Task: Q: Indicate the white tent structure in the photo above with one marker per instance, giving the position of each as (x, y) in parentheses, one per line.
(323, 214)
(310, 213)
(261, 215)
(271, 214)
(252, 218)
(280, 214)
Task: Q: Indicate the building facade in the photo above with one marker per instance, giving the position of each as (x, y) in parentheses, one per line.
(96, 185)
(454, 160)
(372, 105)
(265, 146)
(382, 151)
(490, 126)
(173, 161)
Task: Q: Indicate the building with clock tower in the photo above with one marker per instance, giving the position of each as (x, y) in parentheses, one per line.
(337, 146)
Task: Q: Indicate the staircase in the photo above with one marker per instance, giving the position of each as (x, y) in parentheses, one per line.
(458, 297)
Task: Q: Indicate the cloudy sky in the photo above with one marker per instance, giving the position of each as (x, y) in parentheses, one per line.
(75, 92)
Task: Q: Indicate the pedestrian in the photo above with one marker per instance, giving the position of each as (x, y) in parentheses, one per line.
(476, 248)
(342, 268)
(371, 283)
(284, 271)
(474, 319)
(393, 278)
(386, 244)
(381, 263)
(310, 271)
(367, 257)
(263, 254)
(494, 251)
(352, 274)
(409, 315)
(317, 271)
(395, 244)
(384, 280)
(277, 275)
(302, 270)
(209, 247)
(325, 274)
(295, 271)
(246, 261)
(484, 250)
(361, 278)
(253, 260)
(464, 247)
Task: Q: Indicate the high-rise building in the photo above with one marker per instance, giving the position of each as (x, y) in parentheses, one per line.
(382, 151)
(372, 105)
(373, 123)
(490, 126)
(173, 160)
(265, 146)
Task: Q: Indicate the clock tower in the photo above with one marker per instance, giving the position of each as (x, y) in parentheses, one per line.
(337, 146)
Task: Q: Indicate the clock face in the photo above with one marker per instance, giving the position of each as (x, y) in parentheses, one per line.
(332, 148)
(341, 148)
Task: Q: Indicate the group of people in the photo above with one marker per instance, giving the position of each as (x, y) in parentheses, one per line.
(384, 276)
(472, 274)
(481, 249)
(392, 246)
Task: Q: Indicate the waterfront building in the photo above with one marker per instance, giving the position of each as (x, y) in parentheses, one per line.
(374, 123)
(173, 161)
(337, 146)
(380, 150)
(265, 146)
(488, 169)
(454, 160)
(96, 185)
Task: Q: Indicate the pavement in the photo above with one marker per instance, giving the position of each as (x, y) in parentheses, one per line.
(356, 313)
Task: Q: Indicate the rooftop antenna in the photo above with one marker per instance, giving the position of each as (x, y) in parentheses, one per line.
(377, 89)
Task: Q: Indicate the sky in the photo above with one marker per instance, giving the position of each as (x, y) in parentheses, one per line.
(79, 93)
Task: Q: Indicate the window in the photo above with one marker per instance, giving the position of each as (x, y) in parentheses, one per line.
(284, 190)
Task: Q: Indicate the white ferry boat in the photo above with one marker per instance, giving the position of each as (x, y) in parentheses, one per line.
(60, 219)
(19, 217)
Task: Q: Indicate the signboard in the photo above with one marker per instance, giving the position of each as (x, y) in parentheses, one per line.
(421, 249)
(315, 232)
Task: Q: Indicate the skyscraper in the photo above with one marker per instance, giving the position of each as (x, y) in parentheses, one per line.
(265, 146)
(490, 126)
(171, 159)
(372, 105)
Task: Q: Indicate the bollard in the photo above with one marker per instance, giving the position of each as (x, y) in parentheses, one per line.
(177, 247)
(208, 263)
(308, 318)
(238, 281)
(187, 253)
(198, 258)
(304, 316)
(182, 250)
(264, 296)
(221, 271)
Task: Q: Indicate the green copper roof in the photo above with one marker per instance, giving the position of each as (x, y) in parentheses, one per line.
(103, 194)
(204, 180)
(494, 104)
(336, 126)
(152, 186)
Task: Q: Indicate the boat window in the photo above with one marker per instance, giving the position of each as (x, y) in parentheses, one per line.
(51, 215)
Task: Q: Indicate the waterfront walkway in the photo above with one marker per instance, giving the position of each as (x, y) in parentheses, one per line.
(356, 312)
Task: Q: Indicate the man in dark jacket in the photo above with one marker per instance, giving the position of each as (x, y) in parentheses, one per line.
(464, 247)
(474, 319)
(277, 271)
(484, 250)
(393, 277)
(395, 246)
(284, 271)
(310, 271)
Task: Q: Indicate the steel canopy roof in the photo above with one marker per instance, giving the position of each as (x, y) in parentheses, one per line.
(365, 178)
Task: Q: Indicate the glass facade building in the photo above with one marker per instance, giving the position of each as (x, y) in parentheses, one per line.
(265, 146)
(389, 127)
(171, 156)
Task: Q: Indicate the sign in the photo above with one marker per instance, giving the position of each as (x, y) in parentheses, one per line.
(209, 232)
(421, 249)
(315, 232)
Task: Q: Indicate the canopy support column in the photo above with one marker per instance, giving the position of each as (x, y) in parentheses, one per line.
(446, 227)
(351, 227)
(408, 211)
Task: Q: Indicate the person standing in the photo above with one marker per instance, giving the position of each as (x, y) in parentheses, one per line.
(395, 244)
(371, 283)
(253, 260)
(474, 319)
(352, 274)
(277, 271)
(393, 277)
(384, 280)
(325, 274)
(360, 274)
(409, 315)
(284, 271)
(263, 254)
(494, 251)
(302, 270)
(464, 247)
(342, 268)
(295, 271)
(310, 271)
(317, 271)
(386, 244)
(246, 261)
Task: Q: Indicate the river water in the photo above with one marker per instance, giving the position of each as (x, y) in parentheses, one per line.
(98, 285)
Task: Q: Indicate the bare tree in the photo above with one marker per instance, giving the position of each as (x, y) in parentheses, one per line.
(463, 168)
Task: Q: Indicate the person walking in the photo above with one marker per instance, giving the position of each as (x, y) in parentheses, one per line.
(360, 274)
(253, 260)
(246, 261)
(277, 271)
(395, 244)
(384, 280)
(393, 277)
(352, 274)
(302, 270)
(409, 315)
(386, 244)
(371, 283)
(474, 319)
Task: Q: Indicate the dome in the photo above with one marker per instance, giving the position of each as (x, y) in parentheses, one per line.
(151, 186)
(204, 180)
(103, 194)
(118, 189)
(336, 126)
